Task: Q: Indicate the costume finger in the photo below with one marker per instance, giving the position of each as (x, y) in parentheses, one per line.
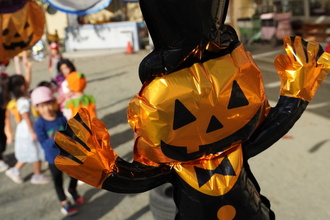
(76, 150)
(100, 131)
(288, 46)
(98, 123)
(103, 137)
(65, 161)
(83, 117)
(90, 174)
(312, 50)
(282, 62)
(79, 132)
(300, 51)
(324, 61)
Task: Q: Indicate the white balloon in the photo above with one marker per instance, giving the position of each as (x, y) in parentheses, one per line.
(38, 51)
(79, 7)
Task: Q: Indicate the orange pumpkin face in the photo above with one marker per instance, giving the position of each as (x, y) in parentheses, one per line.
(199, 110)
(10, 38)
(20, 30)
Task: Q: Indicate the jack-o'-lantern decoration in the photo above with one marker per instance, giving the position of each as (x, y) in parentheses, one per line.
(202, 110)
(200, 115)
(20, 30)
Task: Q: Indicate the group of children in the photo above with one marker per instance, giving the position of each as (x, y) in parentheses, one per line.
(34, 137)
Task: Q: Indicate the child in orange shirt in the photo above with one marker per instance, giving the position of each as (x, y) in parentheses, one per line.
(76, 84)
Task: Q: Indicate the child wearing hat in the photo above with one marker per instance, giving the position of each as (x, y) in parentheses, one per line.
(76, 84)
(49, 122)
(4, 97)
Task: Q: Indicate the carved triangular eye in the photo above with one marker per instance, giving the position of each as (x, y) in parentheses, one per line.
(214, 125)
(5, 32)
(26, 25)
(237, 98)
(182, 116)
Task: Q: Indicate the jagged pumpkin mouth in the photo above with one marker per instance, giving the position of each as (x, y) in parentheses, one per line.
(180, 153)
(20, 44)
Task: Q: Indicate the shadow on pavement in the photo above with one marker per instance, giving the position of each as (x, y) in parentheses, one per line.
(115, 118)
(317, 146)
(10, 159)
(106, 77)
(126, 100)
(121, 138)
(99, 207)
(140, 213)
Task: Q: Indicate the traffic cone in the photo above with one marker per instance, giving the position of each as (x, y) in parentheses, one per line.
(129, 48)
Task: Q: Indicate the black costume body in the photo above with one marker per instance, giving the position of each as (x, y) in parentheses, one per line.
(169, 27)
(189, 33)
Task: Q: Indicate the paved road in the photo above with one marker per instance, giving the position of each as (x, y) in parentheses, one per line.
(293, 173)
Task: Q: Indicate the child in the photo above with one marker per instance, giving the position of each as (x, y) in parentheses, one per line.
(50, 84)
(17, 61)
(76, 84)
(5, 124)
(27, 148)
(12, 107)
(3, 65)
(4, 98)
(65, 67)
(49, 122)
(54, 58)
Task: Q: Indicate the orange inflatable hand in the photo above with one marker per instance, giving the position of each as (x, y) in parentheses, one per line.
(303, 68)
(85, 151)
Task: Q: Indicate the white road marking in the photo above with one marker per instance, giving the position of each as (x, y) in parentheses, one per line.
(318, 105)
(273, 84)
(270, 53)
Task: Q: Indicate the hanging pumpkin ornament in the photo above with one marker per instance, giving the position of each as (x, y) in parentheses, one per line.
(21, 26)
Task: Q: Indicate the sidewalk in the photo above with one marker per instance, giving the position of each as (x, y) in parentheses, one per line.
(92, 53)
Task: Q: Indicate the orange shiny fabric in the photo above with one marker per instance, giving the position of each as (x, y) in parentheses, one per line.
(98, 160)
(20, 30)
(218, 184)
(74, 109)
(205, 90)
(300, 71)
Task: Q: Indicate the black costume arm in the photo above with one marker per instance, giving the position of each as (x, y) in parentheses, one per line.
(301, 72)
(86, 154)
(279, 121)
(135, 177)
